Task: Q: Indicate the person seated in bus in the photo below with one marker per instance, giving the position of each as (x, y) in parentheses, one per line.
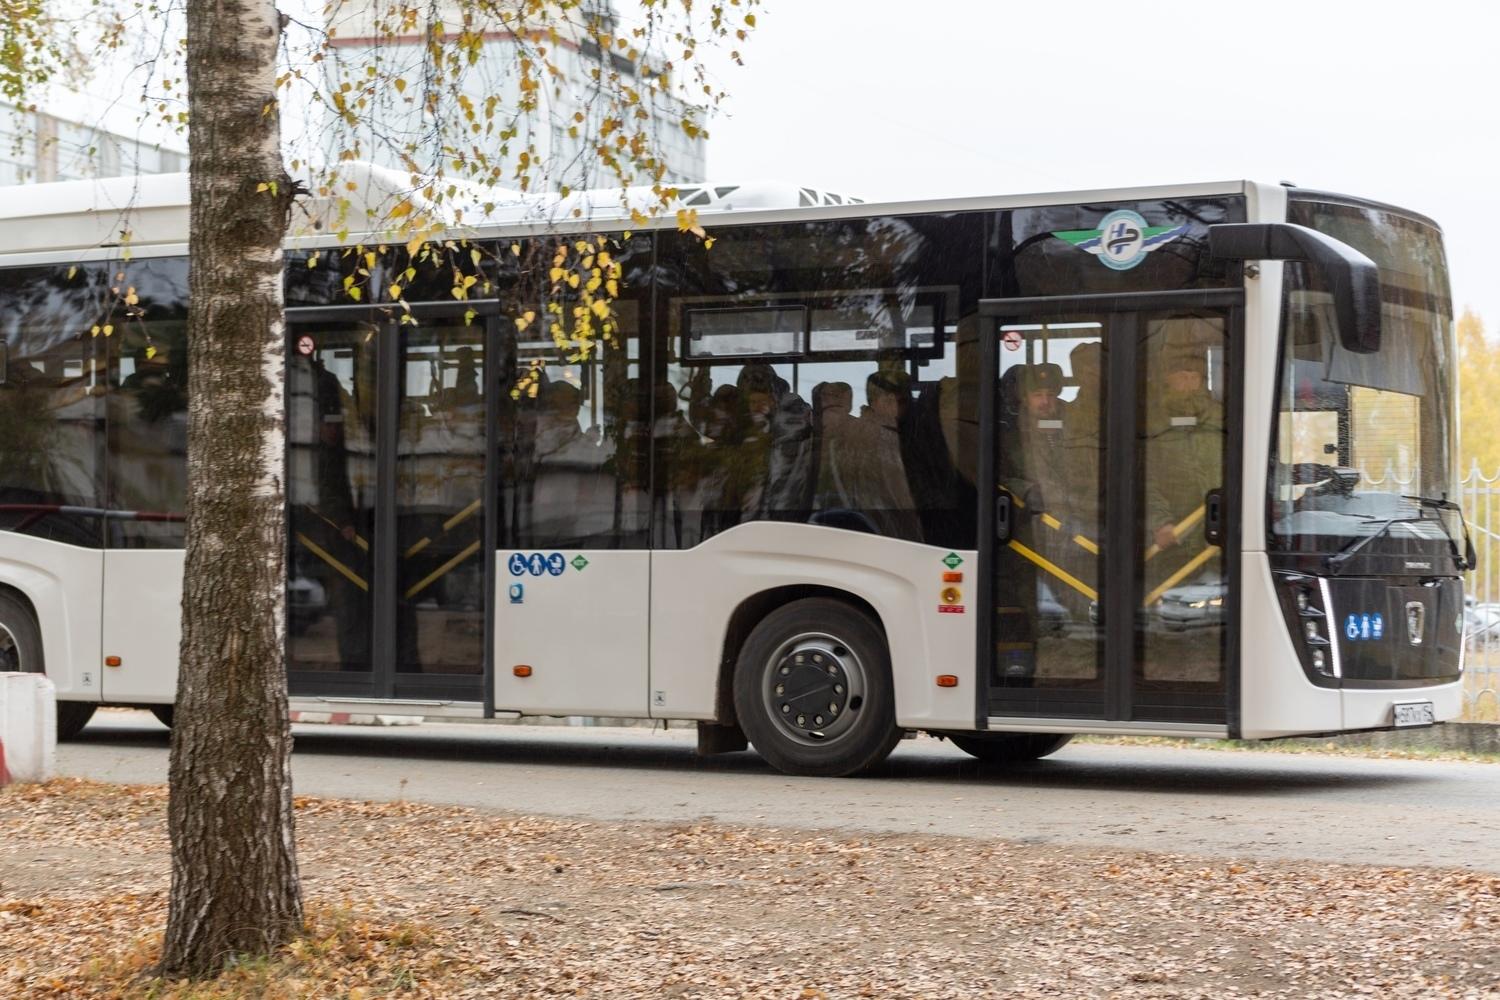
(833, 427)
(675, 443)
(465, 388)
(1031, 447)
(718, 475)
(572, 493)
(1082, 441)
(778, 444)
(1184, 451)
(876, 468)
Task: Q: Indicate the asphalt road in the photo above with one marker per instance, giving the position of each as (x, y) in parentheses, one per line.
(1218, 804)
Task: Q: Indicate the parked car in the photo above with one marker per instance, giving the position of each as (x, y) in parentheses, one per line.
(1193, 605)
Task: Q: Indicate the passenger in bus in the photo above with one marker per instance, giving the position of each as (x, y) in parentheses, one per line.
(778, 443)
(874, 470)
(573, 495)
(1031, 457)
(718, 476)
(1185, 446)
(1083, 441)
(833, 431)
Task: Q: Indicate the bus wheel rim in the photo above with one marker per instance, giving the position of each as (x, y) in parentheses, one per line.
(813, 687)
(10, 652)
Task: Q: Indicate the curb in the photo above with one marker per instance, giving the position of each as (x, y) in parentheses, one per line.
(354, 719)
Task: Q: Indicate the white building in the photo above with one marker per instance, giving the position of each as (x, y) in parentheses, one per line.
(75, 136)
(402, 130)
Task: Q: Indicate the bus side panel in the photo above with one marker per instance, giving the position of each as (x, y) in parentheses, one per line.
(581, 631)
(695, 592)
(62, 582)
(142, 624)
(1276, 698)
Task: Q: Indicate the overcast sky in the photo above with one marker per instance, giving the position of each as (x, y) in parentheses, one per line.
(907, 100)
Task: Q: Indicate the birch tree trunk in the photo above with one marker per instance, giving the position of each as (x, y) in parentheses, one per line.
(235, 887)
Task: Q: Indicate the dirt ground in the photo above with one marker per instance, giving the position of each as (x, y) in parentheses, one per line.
(415, 900)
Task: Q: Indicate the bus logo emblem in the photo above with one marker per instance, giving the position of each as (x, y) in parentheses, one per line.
(1416, 621)
(1122, 240)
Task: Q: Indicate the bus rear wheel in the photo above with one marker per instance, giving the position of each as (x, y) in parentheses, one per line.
(812, 690)
(1009, 748)
(21, 652)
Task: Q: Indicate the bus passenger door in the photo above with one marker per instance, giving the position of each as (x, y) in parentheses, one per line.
(386, 512)
(1109, 551)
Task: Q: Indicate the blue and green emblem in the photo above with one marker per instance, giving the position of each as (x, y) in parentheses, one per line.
(1122, 240)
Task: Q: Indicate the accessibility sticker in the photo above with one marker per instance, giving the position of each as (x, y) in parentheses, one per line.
(517, 564)
(556, 564)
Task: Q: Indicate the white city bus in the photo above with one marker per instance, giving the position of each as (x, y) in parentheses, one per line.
(1173, 461)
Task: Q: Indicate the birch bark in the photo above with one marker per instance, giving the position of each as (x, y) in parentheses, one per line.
(235, 886)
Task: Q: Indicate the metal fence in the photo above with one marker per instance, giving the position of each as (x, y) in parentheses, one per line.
(1482, 617)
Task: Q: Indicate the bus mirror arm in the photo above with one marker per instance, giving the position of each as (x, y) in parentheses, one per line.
(1353, 278)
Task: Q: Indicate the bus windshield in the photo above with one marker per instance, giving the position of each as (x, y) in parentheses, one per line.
(1360, 437)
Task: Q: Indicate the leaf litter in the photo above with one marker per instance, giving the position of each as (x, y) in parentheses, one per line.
(412, 900)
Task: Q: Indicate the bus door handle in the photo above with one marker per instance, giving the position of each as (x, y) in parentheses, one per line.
(1003, 514)
(1213, 517)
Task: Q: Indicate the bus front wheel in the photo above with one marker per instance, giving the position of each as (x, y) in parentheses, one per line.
(21, 652)
(812, 689)
(1009, 748)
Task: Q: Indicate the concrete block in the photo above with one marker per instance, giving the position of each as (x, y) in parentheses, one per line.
(28, 728)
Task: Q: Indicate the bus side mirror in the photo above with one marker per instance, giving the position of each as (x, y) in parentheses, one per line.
(1353, 278)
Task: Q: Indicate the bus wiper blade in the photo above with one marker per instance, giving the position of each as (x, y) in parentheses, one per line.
(1440, 503)
(1334, 563)
(1463, 560)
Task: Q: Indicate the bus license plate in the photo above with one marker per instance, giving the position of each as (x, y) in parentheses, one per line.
(1414, 713)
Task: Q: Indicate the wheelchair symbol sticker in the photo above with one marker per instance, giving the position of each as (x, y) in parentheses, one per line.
(517, 564)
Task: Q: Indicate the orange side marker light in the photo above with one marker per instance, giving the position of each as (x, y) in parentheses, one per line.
(112, 661)
(947, 680)
(521, 670)
(953, 576)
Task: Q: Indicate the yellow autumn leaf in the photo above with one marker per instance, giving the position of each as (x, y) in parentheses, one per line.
(403, 208)
(515, 249)
(150, 352)
(395, 291)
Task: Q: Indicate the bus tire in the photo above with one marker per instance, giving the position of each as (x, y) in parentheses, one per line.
(21, 652)
(1009, 748)
(163, 714)
(813, 692)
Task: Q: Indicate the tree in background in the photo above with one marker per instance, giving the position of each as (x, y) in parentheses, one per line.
(1479, 397)
(469, 102)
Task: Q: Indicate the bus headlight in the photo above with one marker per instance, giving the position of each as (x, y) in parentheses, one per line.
(1319, 661)
(1310, 628)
